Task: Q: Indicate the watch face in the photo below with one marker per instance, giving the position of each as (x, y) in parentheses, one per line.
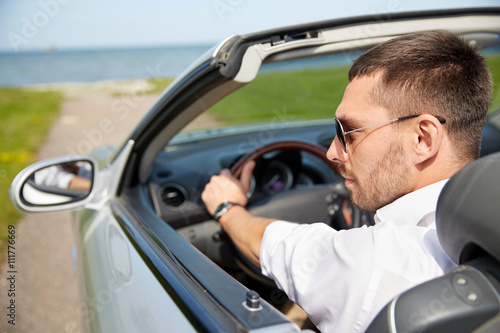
(220, 210)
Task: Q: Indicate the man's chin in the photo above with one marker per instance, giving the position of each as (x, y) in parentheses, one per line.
(362, 204)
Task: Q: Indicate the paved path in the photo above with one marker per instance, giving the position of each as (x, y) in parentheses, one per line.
(47, 287)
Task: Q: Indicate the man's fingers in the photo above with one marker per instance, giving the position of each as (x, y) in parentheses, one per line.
(226, 187)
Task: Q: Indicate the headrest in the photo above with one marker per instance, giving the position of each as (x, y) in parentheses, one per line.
(468, 211)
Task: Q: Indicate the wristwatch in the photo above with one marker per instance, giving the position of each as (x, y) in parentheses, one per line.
(224, 207)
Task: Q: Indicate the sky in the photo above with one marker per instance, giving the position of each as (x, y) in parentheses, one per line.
(78, 24)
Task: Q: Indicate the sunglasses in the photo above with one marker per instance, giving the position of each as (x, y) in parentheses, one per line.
(341, 134)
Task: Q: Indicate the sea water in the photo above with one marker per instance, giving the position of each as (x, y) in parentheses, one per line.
(28, 68)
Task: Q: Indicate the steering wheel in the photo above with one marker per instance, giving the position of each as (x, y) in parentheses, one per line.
(283, 145)
(302, 205)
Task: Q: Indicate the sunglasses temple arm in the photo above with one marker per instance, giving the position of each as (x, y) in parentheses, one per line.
(382, 123)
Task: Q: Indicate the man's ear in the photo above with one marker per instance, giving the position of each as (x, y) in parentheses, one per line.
(427, 138)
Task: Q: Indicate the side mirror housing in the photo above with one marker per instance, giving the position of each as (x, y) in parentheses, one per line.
(61, 183)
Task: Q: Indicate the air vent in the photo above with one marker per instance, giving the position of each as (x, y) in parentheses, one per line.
(173, 196)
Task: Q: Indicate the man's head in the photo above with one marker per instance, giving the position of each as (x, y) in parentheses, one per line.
(431, 74)
(437, 73)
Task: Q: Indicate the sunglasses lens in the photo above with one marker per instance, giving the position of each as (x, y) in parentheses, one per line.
(340, 134)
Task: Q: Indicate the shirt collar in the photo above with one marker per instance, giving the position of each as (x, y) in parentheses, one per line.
(412, 207)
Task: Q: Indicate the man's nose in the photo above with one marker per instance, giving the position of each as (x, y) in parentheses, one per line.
(335, 153)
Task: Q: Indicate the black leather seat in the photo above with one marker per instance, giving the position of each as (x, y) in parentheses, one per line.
(468, 224)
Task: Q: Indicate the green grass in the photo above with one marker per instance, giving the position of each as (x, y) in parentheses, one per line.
(299, 95)
(26, 117)
(494, 64)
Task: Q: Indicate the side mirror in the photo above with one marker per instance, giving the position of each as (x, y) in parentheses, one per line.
(61, 183)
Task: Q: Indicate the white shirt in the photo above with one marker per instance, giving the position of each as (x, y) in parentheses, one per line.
(342, 279)
(53, 176)
(56, 176)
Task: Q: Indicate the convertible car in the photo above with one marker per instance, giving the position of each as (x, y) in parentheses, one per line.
(152, 259)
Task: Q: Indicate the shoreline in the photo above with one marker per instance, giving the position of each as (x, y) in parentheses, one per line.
(115, 86)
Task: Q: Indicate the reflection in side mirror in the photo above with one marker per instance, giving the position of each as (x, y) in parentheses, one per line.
(55, 184)
(58, 183)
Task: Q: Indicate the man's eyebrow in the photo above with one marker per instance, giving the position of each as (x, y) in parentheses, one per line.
(349, 122)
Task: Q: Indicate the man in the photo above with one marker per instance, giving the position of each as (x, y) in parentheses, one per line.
(411, 116)
(74, 177)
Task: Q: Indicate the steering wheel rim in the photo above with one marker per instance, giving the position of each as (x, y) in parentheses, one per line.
(282, 145)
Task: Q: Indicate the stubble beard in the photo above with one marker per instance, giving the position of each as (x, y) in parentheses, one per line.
(386, 182)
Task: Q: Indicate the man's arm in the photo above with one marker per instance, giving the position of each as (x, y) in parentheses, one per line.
(79, 183)
(245, 230)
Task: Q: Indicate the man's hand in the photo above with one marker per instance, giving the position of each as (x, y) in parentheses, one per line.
(245, 230)
(226, 187)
